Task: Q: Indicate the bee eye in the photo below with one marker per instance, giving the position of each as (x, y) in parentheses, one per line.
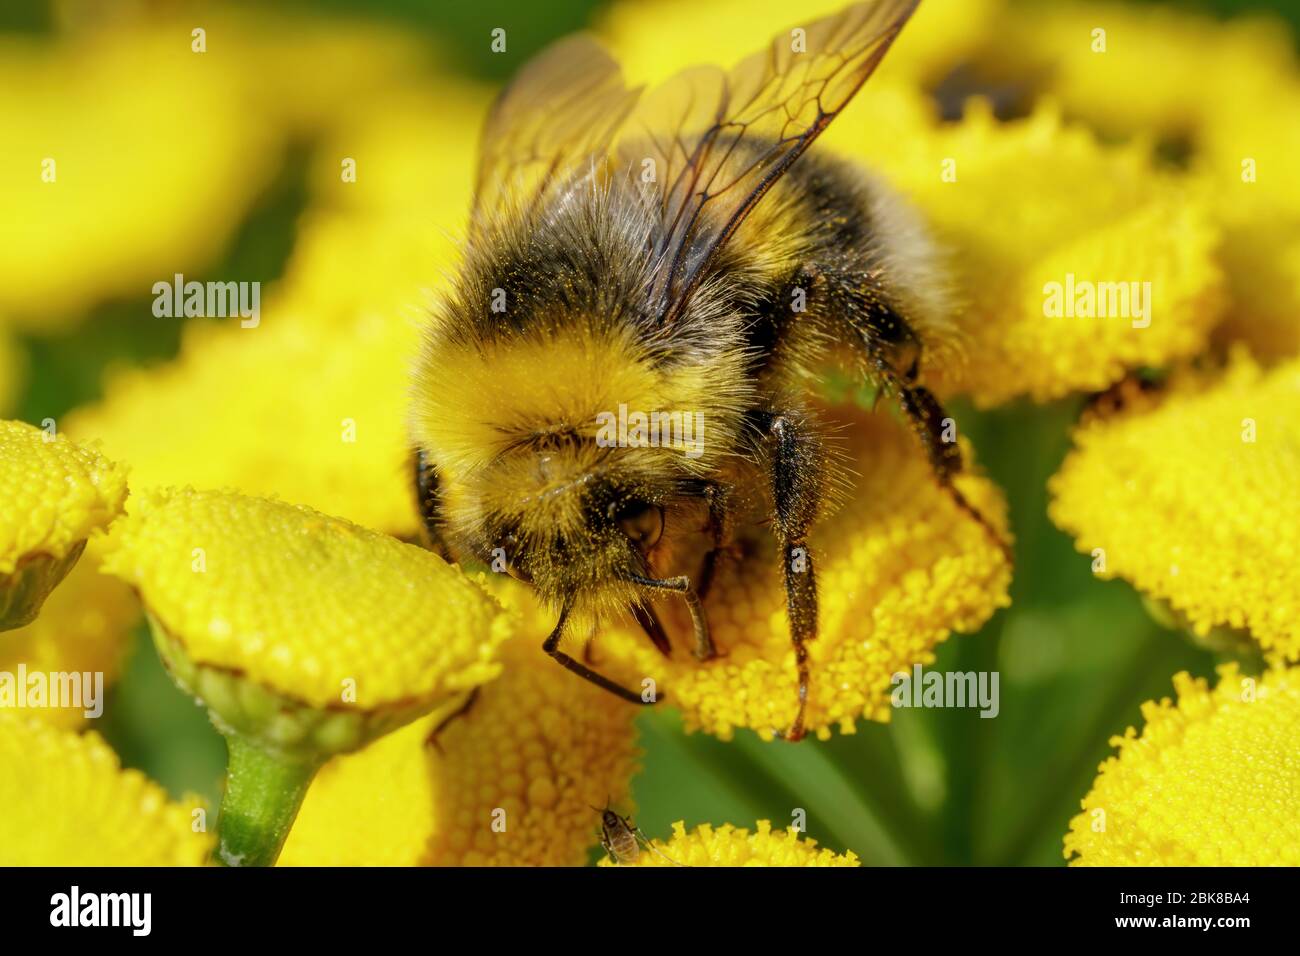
(641, 522)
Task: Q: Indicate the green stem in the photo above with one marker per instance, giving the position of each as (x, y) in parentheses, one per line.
(263, 794)
(1072, 775)
(868, 763)
(837, 817)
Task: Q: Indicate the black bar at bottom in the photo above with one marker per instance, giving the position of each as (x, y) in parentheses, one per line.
(332, 906)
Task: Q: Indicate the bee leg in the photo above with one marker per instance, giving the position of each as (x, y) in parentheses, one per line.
(645, 616)
(428, 500)
(928, 417)
(552, 647)
(893, 358)
(461, 711)
(796, 460)
(704, 649)
(720, 530)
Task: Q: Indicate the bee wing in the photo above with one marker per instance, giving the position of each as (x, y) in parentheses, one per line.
(561, 109)
(720, 140)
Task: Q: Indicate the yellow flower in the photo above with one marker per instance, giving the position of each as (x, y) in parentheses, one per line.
(1250, 158)
(315, 412)
(1223, 92)
(509, 782)
(655, 40)
(56, 493)
(310, 75)
(370, 808)
(1190, 495)
(304, 635)
(1033, 212)
(941, 36)
(732, 846)
(377, 246)
(1148, 69)
(85, 627)
(65, 801)
(101, 198)
(516, 776)
(1211, 781)
(311, 607)
(312, 404)
(899, 567)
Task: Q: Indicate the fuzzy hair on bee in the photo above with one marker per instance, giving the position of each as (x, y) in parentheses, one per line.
(696, 308)
(515, 423)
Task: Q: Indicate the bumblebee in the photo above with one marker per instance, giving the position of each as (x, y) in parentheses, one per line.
(659, 259)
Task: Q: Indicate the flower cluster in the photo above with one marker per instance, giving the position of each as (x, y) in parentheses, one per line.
(56, 493)
(1211, 780)
(382, 706)
(511, 780)
(1187, 493)
(66, 801)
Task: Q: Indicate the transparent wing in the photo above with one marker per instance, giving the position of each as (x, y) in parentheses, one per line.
(562, 108)
(720, 140)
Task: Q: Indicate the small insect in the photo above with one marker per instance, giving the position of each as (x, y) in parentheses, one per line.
(623, 839)
(621, 373)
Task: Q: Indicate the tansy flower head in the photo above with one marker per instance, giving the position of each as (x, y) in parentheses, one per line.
(84, 629)
(516, 776)
(248, 593)
(1128, 67)
(338, 388)
(305, 636)
(509, 781)
(1211, 781)
(1190, 495)
(652, 44)
(100, 199)
(899, 567)
(732, 846)
(1211, 91)
(366, 247)
(65, 801)
(334, 345)
(56, 492)
(1074, 261)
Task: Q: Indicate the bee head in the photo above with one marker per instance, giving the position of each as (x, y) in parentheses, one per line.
(565, 449)
(575, 520)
